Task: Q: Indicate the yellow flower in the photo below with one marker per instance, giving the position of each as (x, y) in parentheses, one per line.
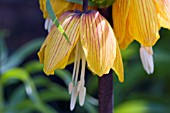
(92, 41)
(140, 20)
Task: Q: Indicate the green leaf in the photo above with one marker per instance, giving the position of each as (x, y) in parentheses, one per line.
(33, 66)
(51, 89)
(64, 75)
(55, 20)
(21, 74)
(141, 106)
(19, 55)
(3, 53)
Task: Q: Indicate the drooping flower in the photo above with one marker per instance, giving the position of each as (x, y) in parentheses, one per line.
(92, 41)
(140, 20)
(59, 7)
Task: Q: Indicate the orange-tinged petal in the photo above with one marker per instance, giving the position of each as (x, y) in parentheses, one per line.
(127, 39)
(58, 50)
(98, 42)
(118, 65)
(143, 24)
(120, 10)
(163, 8)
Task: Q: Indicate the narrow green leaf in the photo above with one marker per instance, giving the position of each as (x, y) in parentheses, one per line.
(55, 20)
(21, 74)
(19, 55)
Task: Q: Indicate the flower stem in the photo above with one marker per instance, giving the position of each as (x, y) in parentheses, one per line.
(106, 96)
(85, 5)
(106, 93)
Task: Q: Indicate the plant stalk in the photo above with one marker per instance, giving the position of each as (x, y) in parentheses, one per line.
(106, 96)
(85, 5)
(106, 93)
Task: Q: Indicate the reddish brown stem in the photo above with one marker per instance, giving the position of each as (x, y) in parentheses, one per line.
(85, 5)
(106, 97)
(106, 93)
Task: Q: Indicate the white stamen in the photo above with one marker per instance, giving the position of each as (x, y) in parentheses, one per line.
(70, 87)
(79, 85)
(83, 69)
(82, 95)
(75, 87)
(77, 71)
(73, 98)
(48, 24)
(146, 55)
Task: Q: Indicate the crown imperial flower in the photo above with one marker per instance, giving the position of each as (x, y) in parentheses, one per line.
(141, 20)
(92, 41)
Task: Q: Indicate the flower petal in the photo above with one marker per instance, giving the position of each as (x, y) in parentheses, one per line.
(127, 39)
(163, 8)
(58, 50)
(49, 37)
(42, 49)
(120, 10)
(143, 21)
(98, 42)
(118, 65)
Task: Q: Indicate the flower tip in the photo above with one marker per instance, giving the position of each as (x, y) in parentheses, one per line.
(121, 79)
(48, 72)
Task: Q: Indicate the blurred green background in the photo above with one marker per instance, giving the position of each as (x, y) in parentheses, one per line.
(24, 88)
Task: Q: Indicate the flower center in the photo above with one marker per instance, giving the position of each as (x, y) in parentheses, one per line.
(78, 87)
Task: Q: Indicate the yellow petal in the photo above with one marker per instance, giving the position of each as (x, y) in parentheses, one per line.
(127, 39)
(72, 56)
(58, 50)
(98, 42)
(42, 49)
(143, 24)
(118, 65)
(59, 6)
(120, 10)
(48, 38)
(163, 8)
